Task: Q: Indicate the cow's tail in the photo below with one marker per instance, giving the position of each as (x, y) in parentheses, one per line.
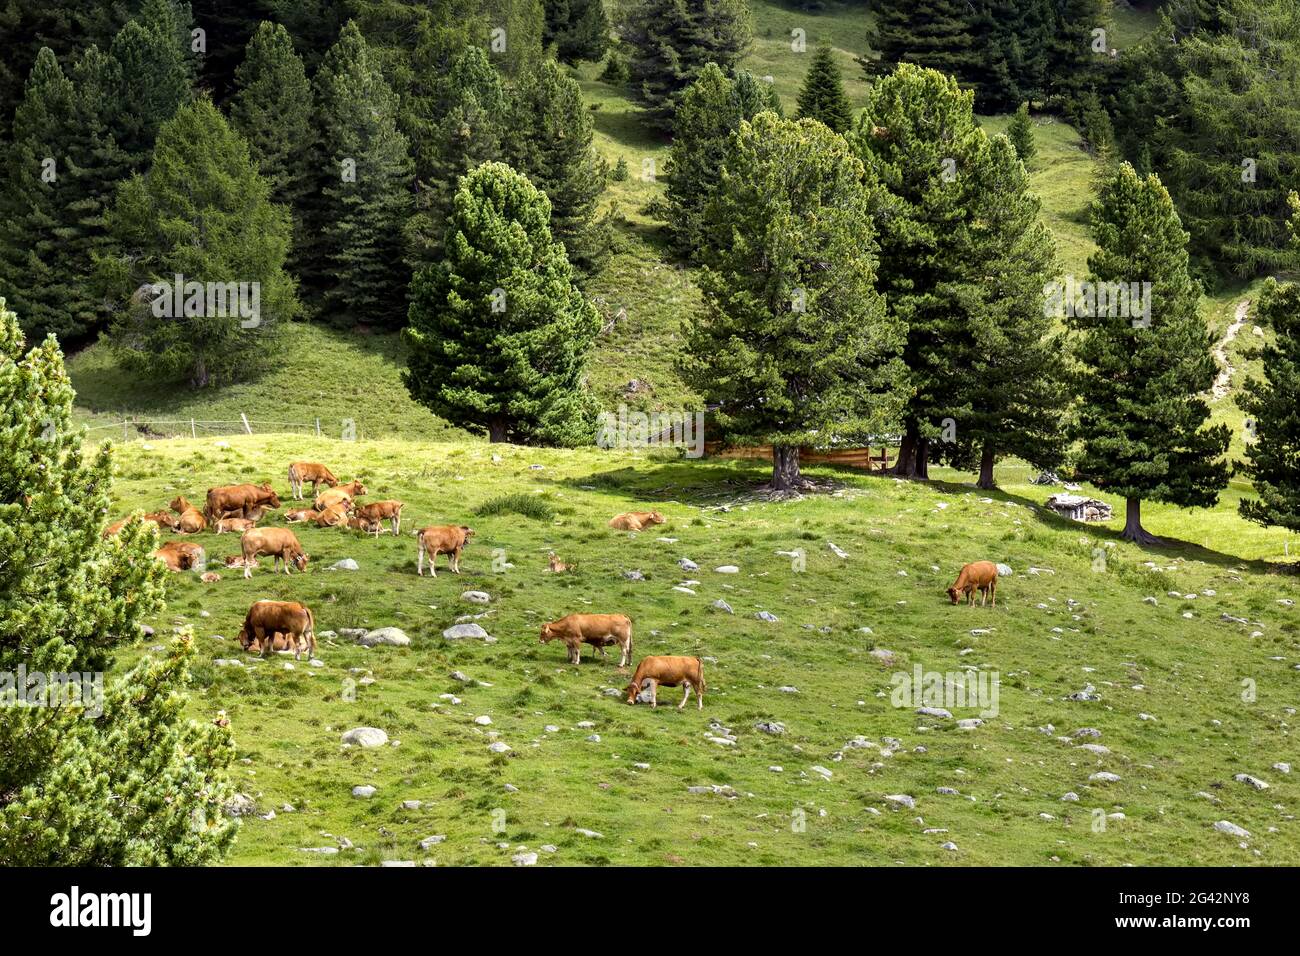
(700, 667)
(311, 633)
(419, 551)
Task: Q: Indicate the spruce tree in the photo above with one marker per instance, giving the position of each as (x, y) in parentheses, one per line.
(1143, 424)
(272, 110)
(930, 33)
(578, 29)
(499, 335)
(1073, 64)
(671, 41)
(822, 96)
(712, 108)
(918, 138)
(365, 188)
(155, 79)
(1273, 450)
(1021, 134)
(122, 779)
(551, 143)
(201, 212)
(794, 345)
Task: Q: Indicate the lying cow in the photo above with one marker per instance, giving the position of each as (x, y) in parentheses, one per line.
(598, 630)
(301, 515)
(635, 520)
(340, 494)
(981, 575)
(358, 523)
(281, 543)
(437, 539)
(301, 472)
(292, 621)
(380, 511)
(239, 501)
(160, 518)
(668, 672)
(331, 517)
(180, 555)
(236, 561)
(191, 520)
(239, 525)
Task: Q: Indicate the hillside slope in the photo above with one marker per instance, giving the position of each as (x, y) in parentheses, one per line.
(1187, 697)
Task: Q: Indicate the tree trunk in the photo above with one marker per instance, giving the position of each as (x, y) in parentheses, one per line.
(986, 469)
(497, 430)
(200, 376)
(785, 468)
(905, 464)
(922, 468)
(1133, 530)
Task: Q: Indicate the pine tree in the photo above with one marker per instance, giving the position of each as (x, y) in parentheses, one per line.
(552, 144)
(712, 108)
(229, 27)
(468, 133)
(1021, 134)
(122, 779)
(272, 110)
(822, 96)
(1014, 393)
(155, 78)
(499, 335)
(201, 212)
(1013, 39)
(671, 41)
(930, 33)
(1273, 457)
(1073, 57)
(1143, 425)
(794, 344)
(578, 29)
(918, 137)
(366, 182)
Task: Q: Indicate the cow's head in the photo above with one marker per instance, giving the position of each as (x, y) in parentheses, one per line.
(248, 642)
(466, 533)
(548, 634)
(656, 518)
(272, 498)
(179, 504)
(300, 560)
(955, 595)
(358, 488)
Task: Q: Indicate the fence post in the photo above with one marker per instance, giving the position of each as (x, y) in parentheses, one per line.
(247, 427)
(318, 428)
(124, 429)
(193, 431)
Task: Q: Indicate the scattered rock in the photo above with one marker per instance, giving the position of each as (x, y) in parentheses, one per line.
(497, 747)
(347, 564)
(727, 569)
(1105, 776)
(1252, 781)
(934, 712)
(686, 564)
(366, 737)
(459, 632)
(476, 597)
(428, 843)
(364, 792)
(767, 616)
(389, 636)
(524, 859)
(240, 805)
(634, 575)
(901, 800)
(723, 606)
(776, 728)
(1223, 826)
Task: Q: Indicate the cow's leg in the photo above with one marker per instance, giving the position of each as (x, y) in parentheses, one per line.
(993, 592)
(699, 698)
(433, 564)
(686, 696)
(654, 693)
(248, 566)
(624, 656)
(455, 560)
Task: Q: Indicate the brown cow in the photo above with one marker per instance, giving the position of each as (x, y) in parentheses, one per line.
(358, 523)
(236, 561)
(281, 543)
(239, 525)
(291, 621)
(981, 575)
(670, 672)
(239, 501)
(340, 494)
(635, 520)
(380, 511)
(301, 472)
(598, 630)
(437, 539)
(160, 518)
(331, 517)
(191, 520)
(301, 514)
(180, 555)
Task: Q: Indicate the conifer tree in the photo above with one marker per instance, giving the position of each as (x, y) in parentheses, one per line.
(1273, 422)
(551, 143)
(499, 335)
(272, 110)
(822, 96)
(711, 110)
(117, 777)
(1021, 134)
(579, 29)
(203, 213)
(155, 78)
(930, 33)
(794, 345)
(1142, 421)
(671, 41)
(365, 188)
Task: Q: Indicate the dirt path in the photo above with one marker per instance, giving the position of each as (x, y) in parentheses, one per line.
(1223, 381)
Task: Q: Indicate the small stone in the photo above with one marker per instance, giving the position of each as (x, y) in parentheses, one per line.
(524, 859)
(476, 597)
(723, 606)
(1105, 776)
(934, 712)
(347, 564)
(901, 800)
(429, 843)
(483, 720)
(458, 632)
(366, 737)
(1252, 781)
(686, 564)
(497, 747)
(1070, 797)
(363, 792)
(1223, 826)
(389, 636)
(727, 569)
(773, 727)
(767, 616)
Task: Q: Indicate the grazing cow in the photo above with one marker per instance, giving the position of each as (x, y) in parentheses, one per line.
(239, 501)
(670, 672)
(380, 511)
(191, 520)
(301, 472)
(180, 555)
(981, 575)
(340, 494)
(434, 540)
(239, 525)
(281, 543)
(291, 621)
(598, 630)
(369, 526)
(635, 520)
(331, 517)
(301, 514)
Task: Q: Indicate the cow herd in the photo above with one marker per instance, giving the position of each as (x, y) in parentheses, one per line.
(281, 626)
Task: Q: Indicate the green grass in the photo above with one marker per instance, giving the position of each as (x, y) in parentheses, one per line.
(1187, 673)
